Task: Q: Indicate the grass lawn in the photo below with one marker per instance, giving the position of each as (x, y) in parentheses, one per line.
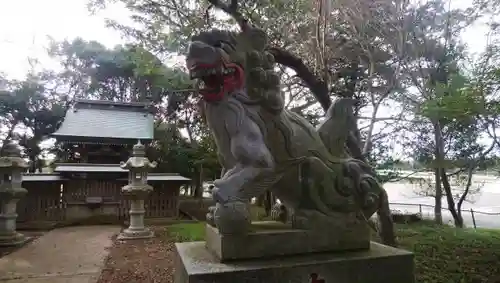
(442, 254)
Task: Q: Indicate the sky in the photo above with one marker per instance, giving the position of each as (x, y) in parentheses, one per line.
(26, 26)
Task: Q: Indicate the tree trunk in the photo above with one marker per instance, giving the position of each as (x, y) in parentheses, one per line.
(464, 194)
(268, 202)
(439, 160)
(459, 222)
(438, 216)
(198, 190)
(457, 218)
(367, 147)
(260, 200)
(35, 164)
(198, 185)
(442, 177)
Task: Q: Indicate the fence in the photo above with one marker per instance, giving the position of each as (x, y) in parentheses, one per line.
(477, 218)
(69, 201)
(471, 217)
(195, 208)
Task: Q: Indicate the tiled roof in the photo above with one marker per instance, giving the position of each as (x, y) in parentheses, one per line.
(41, 177)
(113, 168)
(165, 177)
(151, 177)
(107, 119)
(87, 167)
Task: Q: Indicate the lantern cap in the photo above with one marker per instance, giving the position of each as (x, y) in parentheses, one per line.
(139, 149)
(11, 157)
(138, 160)
(12, 150)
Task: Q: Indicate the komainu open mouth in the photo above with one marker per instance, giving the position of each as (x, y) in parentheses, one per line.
(212, 78)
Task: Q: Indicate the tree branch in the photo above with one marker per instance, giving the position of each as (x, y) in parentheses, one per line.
(380, 119)
(399, 179)
(467, 188)
(306, 105)
(232, 10)
(318, 87)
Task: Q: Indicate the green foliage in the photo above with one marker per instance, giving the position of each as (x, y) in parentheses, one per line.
(171, 151)
(186, 232)
(397, 54)
(176, 153)
(131, 73)
(455, 101)
(32, 105)
(124, 73)
(444, 254)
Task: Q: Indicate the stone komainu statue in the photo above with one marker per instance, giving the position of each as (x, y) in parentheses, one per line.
(261, 145)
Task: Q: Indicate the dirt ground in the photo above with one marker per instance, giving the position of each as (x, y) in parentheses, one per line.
(141, 261)
(32, 236)
(70, 254)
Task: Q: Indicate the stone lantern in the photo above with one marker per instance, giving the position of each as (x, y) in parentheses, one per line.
(11, 168)
(136, 191)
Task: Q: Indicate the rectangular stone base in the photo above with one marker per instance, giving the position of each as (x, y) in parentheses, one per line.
(273, 239)
(379, 264)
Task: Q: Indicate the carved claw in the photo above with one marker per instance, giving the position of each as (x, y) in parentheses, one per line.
(232, 217)
(223, 192)
(210, 216)
(219, 196)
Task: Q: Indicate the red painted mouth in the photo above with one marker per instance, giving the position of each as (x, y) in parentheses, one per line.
(217, 79)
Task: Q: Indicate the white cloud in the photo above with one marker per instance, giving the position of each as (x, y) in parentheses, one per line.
(26, 25)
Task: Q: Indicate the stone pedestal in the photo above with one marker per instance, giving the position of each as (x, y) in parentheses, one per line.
(379, 264)
(274, 239)
(275, 252)
(8, 216)
(136, 229)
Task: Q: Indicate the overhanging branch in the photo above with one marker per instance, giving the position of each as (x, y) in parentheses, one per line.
(232, 10)
(317, 87)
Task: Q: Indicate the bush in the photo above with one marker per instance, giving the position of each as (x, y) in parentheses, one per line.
(405, 218)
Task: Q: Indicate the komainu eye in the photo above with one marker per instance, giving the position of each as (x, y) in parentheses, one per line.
(226, 46)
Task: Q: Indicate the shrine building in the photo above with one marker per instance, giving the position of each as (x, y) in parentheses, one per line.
(94, 137)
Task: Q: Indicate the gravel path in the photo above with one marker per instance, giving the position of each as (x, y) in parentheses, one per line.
(140, 261)
(73, 254)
